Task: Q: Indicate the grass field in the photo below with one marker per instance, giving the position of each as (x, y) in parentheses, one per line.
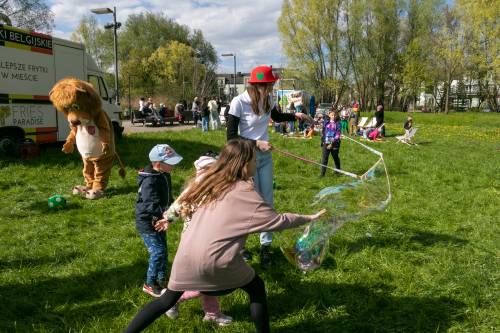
(431, 264)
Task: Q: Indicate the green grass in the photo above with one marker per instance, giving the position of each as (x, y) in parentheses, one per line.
(431, 264)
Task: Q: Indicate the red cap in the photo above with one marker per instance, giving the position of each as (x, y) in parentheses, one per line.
(262, 74)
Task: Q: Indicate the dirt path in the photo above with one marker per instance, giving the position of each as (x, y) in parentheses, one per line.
(129, 128)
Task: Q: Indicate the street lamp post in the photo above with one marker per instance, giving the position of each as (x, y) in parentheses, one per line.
(234, 79)
(115, 26)
(129, 101)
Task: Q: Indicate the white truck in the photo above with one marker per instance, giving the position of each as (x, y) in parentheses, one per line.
(30, 64)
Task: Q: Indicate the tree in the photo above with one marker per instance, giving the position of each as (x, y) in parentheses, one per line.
(335, 44)
(177, 67)
(143, 35)
(98, 42)
(27, 14)
(312, 41)
(418, 39)
(449, 53)
(479, 21)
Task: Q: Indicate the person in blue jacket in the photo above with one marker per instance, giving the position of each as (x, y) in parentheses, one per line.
(153, 198)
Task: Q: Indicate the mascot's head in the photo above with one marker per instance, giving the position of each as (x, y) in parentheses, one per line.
(77, 99)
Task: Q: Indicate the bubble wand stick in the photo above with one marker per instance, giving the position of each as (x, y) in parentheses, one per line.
(300, 158)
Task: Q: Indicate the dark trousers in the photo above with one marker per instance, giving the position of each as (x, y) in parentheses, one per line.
(334, 151)
(255, 290)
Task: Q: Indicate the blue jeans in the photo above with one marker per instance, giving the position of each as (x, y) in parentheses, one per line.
(156, 243)
(204, 123)
(263, 180)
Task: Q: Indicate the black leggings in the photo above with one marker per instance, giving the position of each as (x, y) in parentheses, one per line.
(255, 290)
(326, 153)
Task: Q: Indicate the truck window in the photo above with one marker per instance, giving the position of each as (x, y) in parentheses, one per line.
(94, 81)
(102, 89)
(99, 85)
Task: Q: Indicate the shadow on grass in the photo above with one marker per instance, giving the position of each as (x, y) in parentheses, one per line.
(133, 150)
(407, 238)
(342, 307)
(120, 190)
(41, 261)
(59, 304)
(34, 262)
(41, 207)
(359, 308)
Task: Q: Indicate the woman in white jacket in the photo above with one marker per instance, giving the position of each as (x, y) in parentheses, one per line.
(249, 116)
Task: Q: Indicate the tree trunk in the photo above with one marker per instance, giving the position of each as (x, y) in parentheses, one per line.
(447, 98)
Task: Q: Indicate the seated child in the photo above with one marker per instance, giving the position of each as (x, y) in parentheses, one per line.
(210, 304)
(373, 134)
(408, 125)
(308, 132)
(153, 198)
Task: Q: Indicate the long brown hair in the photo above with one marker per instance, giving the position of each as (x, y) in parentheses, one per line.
(254, 92)
(218, 178)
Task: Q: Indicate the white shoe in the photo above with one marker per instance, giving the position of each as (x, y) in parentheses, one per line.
(220, 318)
(173, 312)
(94, 194)
(80, 189)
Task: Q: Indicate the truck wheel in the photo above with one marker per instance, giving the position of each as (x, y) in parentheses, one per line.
(117, 131)
(10, 136)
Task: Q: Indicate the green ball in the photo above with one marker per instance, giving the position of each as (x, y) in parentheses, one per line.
(56, 202)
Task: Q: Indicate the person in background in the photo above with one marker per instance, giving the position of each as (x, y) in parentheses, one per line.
(195, 108)
(408, 124)
(179, 112)
(205, 115)
(379, 116)
(214, 114)
(142, 104)
(162, 112)
(312, 106)
(291, 123)
(344, 119)
(330, 140)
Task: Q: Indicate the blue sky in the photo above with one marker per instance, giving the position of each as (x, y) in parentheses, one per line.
(247, 28)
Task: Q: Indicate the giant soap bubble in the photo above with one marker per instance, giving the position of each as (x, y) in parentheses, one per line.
(351, 200)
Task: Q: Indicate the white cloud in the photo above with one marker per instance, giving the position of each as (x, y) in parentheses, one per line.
(248, 29)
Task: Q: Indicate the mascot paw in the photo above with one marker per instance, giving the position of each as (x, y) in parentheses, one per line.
(68, 148)
(105, 148)
(94, 194)
(80, 189)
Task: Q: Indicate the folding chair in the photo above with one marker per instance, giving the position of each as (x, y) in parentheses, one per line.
(371, 123)
(362, 122)
(407, 138)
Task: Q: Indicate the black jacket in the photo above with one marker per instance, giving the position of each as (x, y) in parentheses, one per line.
(153, 197)
(205, 111)
(233, 122)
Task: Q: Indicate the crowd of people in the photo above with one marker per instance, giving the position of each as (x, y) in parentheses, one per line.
(204, 112)
(349, 117)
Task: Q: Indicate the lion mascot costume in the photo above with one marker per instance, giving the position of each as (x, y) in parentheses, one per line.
(91, 130)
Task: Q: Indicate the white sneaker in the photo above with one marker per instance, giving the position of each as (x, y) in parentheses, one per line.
(220, 318)
(173, 312)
